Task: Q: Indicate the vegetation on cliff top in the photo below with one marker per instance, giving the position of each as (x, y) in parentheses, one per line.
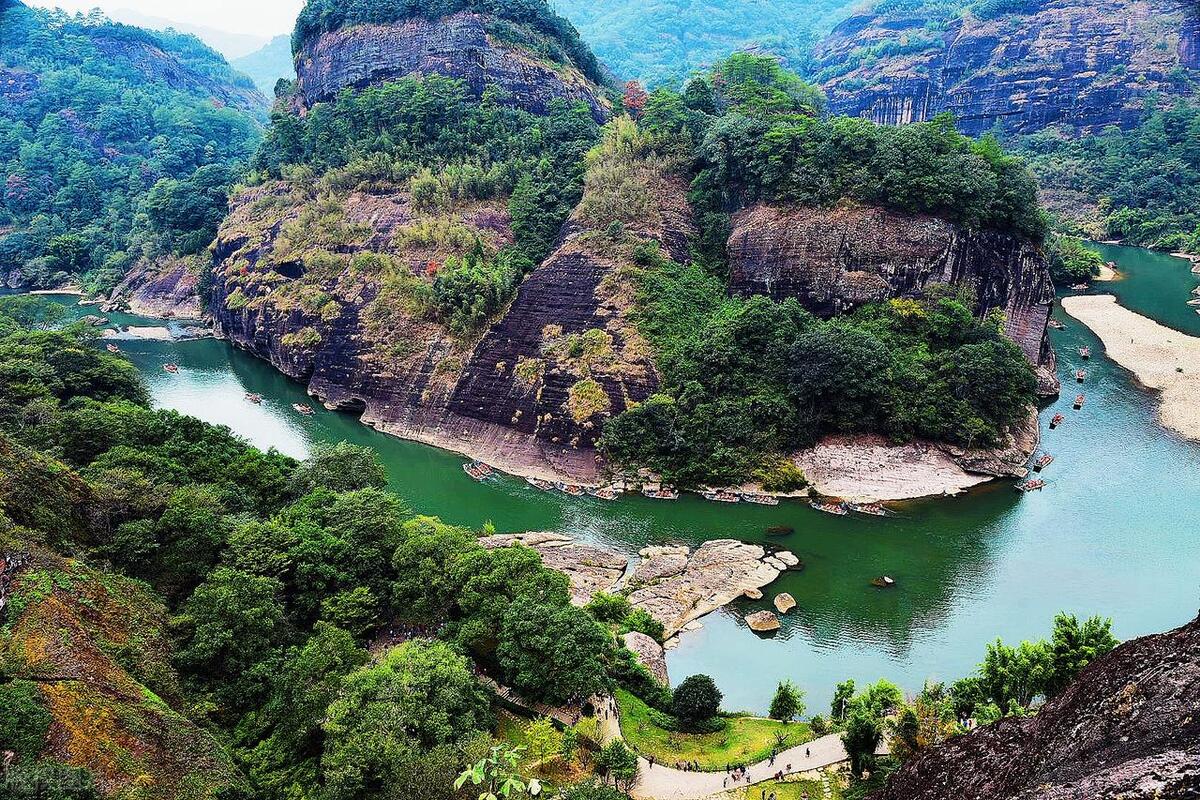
(546, 33)
(109, 154)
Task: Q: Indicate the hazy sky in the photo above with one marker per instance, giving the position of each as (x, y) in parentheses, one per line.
(264, 18)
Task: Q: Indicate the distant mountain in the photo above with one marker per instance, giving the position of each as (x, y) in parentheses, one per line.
(231, 45)
(116, 144)
(662, 41)
(266, 66)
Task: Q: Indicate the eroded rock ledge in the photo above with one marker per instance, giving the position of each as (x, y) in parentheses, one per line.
(673, 583)
(867, 468)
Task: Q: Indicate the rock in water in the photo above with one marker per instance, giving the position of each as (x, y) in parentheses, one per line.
(650, 655)
(1128, 727)
(763, 622)
(784, 602)
(753, 594)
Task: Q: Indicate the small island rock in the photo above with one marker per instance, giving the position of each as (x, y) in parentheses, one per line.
(763, 621)
(784, 602)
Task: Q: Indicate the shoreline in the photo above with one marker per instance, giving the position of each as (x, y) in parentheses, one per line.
(1160, 358)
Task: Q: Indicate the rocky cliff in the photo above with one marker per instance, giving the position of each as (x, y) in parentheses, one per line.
(1081, 63)
(832, 260)
(1128, 727)
(529, 394)
(465, 45)
(167, 288)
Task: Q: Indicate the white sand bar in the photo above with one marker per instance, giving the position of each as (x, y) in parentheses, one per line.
(1153, 353)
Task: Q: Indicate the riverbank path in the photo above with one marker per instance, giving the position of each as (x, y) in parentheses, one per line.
(659, 782)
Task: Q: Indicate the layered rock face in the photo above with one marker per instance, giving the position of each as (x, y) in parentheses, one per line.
(166, 289)
(832, 260)
(1128, 727)
(1081, 63)
(458, 46)
(530, 396)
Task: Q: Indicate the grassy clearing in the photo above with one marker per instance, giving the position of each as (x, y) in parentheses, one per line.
(745, 740)
(795, 790)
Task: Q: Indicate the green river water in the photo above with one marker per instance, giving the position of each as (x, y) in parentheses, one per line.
(1114, 533)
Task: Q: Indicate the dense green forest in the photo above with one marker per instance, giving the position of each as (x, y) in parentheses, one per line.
(664, 42)
(115, 144)
(278, 575)
(1146, 179)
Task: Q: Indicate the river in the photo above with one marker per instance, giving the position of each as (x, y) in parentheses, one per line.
(1113, 533)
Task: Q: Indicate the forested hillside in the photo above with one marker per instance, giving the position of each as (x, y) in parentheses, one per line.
(116, 145)
(266, 66)
(189, 617)
(665, 41)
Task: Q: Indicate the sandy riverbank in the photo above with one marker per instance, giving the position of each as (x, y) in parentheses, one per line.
(1108, 274)
(1160, 358)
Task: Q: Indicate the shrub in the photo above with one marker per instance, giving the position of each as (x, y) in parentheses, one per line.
(696, 700)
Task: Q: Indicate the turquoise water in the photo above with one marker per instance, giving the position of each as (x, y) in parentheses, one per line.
(1113, 533)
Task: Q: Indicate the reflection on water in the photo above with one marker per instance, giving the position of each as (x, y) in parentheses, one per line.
(1113, 533)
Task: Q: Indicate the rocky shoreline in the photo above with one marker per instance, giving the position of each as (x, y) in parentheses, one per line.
(674, 584)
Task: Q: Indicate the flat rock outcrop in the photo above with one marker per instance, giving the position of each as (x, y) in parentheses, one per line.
(650, 655)
(833, 260)
(867, 468)
(1083, 64)
(677, 586)
(458, 46)
(590, 569)
(1128, 728)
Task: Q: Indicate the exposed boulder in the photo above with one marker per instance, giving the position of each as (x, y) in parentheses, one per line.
(833, 260)
(1128, 728)
(1084, 64)
(650, 655)
(784, 602)
(458, 46)
(753, 594)
(590, 569)
(763, 622)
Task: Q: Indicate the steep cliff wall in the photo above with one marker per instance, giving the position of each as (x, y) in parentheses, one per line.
(459, 46)
(1128, 727)
(530, 394)
(835, 259)
(1081, 63)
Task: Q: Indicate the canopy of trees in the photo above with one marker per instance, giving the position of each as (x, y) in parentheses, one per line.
(103, 161)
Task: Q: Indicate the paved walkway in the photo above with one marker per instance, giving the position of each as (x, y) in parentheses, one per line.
(667, 783)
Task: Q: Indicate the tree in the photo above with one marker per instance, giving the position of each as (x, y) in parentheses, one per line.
(696, 700)
(840, 705)
(609, 608)
(228, 626)
(861, 737)
(545, 742)
(498, 775)
(1074, 645)
(341, 467)
(424, 690)
(618, 762)
(594, 791)
(788, 702)
(555, 653)
(634, 99)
